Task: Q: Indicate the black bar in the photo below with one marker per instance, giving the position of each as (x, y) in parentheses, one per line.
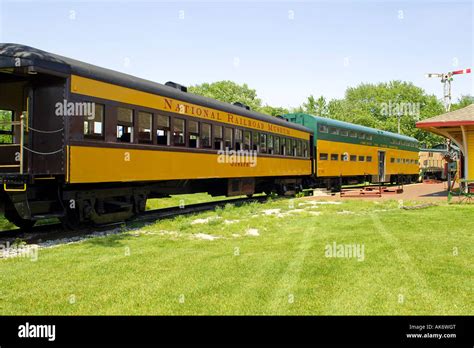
(332, 330)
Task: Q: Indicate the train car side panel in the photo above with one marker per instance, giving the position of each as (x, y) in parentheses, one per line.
(104, 164)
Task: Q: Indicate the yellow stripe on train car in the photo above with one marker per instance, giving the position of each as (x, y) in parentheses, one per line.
(99, 164)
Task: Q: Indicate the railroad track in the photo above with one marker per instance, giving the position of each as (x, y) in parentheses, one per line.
(51, 232)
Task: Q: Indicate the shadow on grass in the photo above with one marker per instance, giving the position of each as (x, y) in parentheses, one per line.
(113, 240)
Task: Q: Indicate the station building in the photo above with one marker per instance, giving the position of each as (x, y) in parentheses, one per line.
(458, 126)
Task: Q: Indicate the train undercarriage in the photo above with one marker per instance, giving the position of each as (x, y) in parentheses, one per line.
(77, 205)
(98, 204)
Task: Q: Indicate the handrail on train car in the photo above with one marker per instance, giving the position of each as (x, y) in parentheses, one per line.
(21, 144)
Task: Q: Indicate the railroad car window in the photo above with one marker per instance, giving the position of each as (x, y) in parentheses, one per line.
(178, 131)
(392, 160)
(368, 137)
(263, 143)
(144, 127)
(305, 149)
(361, 159)
(399, 160)
(228, 135)
(323, 156)
(293, 147)
(270, 144)
(344, 132)
(345, 157)
(125, 125)
(238, 139)
(298, 148)
(247, 140)
(218, 139)
(163, 130)
(334, 157)
(255, 143)
(206, 135)
(193, 129)
(353, 134)
(6, 130)
(361, 135)
(323, 128)
(353, 158)
(369, 158)
(276, 145)
(283, 146)
(94, 128)
(333, 130)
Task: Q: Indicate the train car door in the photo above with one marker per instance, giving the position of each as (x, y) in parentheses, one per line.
(381, 166)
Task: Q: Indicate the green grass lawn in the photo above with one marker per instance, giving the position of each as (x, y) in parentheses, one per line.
(414, 262)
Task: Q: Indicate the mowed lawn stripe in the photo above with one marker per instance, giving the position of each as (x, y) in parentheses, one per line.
(164, 268)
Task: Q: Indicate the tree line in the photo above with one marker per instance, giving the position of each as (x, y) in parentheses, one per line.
(389, 106)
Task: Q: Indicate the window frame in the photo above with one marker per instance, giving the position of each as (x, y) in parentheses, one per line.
(194, 133)
(95, 136)
(238, 140)
(166, 129)
(225, 129)
(202, 126)
(149, 141)
(174, 119)
(216, 139)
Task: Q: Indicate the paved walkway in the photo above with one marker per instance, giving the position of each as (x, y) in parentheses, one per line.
(428, 192)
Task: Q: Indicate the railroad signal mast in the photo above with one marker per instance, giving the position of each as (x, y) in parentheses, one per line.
(446, 79)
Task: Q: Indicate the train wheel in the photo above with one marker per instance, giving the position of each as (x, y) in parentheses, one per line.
(71, 220)
(14, 218)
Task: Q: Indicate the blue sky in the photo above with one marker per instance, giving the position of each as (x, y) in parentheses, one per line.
(286, 50)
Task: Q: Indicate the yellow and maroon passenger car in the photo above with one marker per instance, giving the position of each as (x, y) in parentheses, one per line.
(84, 143)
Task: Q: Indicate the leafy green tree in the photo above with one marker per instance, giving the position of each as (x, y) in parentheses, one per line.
(383, 106)
(229, 92)
(462, 102)
(5, 117)
(317, 107)
(272, 110)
